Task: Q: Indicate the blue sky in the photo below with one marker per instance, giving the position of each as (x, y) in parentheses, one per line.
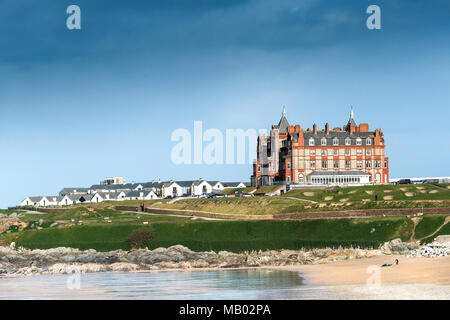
(76, 106)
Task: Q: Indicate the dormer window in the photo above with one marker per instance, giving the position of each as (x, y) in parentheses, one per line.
(323, 141)
(311, 141)
(348, 141)
(368, 141)
(335, 141)
(358, 141)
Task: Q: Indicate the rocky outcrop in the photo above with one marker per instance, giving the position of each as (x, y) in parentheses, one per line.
(396, 246)
(432, 250)
(68, 260)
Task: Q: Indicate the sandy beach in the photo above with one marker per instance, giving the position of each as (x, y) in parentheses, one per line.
(355, 272)
(412, 278)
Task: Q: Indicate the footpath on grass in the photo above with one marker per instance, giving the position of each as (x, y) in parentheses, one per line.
(299, 215)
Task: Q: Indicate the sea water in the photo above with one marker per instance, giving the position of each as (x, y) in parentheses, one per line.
(243, 284)
(204, 285)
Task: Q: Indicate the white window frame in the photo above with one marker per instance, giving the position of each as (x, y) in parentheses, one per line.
(368, 141)
(335, 141)
(323, 141)
(358, 141)
(359, 164)
(348, 152)
(349, 166)
(324, 152)
(311, 141)
(312, 164)
(348, 141)
(312, 152)
(336, 152)
(359, 152)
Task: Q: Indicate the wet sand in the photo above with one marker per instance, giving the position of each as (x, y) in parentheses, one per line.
(365, 279)
(355, 272)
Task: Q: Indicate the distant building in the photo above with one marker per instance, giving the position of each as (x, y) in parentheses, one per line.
(349, 155)
(228, 185)
(113, 191)
(114, 180)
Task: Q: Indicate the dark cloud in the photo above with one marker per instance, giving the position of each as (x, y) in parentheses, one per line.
(34, 31)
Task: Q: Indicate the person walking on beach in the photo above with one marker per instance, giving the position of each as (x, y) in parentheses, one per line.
(396, 261)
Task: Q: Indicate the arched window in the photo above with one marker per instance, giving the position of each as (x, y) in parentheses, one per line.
(348, 141)
(323, 141)
(311, 141)
(368, 141)
(335, 141)
(358, 141)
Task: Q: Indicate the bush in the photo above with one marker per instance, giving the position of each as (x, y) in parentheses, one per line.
(139, 238)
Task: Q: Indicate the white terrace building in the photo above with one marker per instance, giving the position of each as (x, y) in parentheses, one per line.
(338, 178)
(117, 191)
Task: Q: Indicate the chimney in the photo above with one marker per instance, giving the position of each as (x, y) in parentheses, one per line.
(315, 128)
(327, 128)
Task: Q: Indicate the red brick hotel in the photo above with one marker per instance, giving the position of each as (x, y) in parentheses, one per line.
(351, 155)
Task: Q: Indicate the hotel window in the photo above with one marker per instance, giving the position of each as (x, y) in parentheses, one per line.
(289, 178)
(347, 164)
(385, 163)
(368, 164)
(368, 152)
(348, 141)
(259, 168)
(368, 141)
(312, 164)
(323, 141)
(289, 165)
(324, 164)
(377, 164)
(347, 152)
(336, 152)
(311, 141)
(359, 152)
(324, 152)
(335, 142)
(312, 152)
(336, 164)
(359, 164)
(358, 141)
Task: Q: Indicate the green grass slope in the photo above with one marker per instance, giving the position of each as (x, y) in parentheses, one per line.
(234, 236)
(428, 225)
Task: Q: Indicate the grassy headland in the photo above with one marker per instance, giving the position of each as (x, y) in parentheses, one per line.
(102, 227)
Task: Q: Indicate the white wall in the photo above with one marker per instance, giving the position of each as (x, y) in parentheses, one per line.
(198, 190)
(168, 191)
